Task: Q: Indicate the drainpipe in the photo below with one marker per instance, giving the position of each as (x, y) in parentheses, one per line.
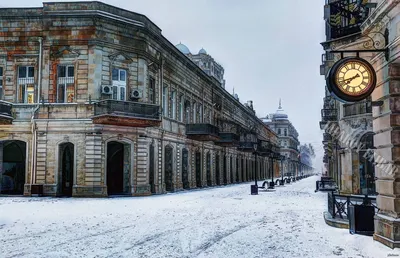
(33, 123)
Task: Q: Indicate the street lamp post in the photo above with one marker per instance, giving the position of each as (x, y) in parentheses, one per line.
(282, 160)
(255, 154)
(254, 188)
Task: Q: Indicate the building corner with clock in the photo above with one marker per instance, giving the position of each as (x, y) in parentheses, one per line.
(361, 109)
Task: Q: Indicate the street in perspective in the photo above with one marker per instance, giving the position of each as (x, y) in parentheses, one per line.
(199, 128)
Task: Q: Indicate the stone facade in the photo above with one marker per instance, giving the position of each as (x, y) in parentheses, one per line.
(98, 102)
(379, 123)
(288, 141)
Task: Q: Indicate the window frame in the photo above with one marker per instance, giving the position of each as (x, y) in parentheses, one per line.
(67, 81)
(26, 82)
(165, 101)
(119, 84)
(173, 103)
(152, 90)
(1, 81)
(181, 107)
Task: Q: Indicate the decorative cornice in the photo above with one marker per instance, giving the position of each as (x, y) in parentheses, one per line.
(377, 17)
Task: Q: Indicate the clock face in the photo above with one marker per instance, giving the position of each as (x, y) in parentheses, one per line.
(354, 77)
(351, 79)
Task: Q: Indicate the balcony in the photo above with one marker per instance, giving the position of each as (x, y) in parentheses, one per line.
(326, 137)
(228, 139)
(329, 115)
(202, 132)
(126, 113)
(322, 124)
(344, 17)
(6, 117)
(360, 108)
(247, 146)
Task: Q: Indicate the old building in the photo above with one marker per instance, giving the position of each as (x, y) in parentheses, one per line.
(287, 138)
(361, 138)
(206, 62)
(95, 102)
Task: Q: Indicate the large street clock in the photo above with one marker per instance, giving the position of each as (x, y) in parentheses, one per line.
(351, 79)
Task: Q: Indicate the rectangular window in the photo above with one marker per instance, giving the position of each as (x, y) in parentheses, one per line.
(165, 102)
(173, 104)
(194, 112)
(26, 84)
(152, 89)
(65, 84)
(1, 83)
(181, 105)
(200, 113)
(119, 84)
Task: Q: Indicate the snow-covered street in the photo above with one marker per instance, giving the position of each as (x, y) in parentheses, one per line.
(219, 222)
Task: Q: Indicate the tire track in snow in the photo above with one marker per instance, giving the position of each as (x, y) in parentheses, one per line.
(220, 236)
(149, 238)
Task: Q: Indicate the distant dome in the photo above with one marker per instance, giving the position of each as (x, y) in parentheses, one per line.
(184, 49)
(202, 51)
(280, 113)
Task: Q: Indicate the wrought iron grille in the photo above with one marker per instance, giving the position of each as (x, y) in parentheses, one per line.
(204, 129)
(127, 108)
(338, 205)
(228, 137)
(329, 114)
(5, 109)
(364, 107)
(344, 17)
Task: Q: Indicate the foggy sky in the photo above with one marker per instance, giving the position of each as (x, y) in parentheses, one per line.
(269, 49)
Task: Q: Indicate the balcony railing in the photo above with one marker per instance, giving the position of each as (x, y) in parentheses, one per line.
(329, 114)
(327, 137)
(5, 113)
(228, 139)
(357, 109)
(126, 113)
(202, 132)
(247, 145)
(344, 17)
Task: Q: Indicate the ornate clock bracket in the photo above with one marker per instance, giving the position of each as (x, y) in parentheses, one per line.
(367, 45)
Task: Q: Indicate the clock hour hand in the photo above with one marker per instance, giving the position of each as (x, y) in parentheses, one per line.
(350, 79)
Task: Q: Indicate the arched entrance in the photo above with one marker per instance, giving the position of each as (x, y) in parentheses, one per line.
(66, 168)
(185, 169)
(217, 174)
(237, 170)
(198, 169)
(366, 167)
(12, 167)
(151, 170)
(208, 163)
(118, 168)
(225, 171)
(168, 169)
(242, 168)
(231, 170)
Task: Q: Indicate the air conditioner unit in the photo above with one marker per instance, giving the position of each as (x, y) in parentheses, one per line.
(106, 89)
(136, 94)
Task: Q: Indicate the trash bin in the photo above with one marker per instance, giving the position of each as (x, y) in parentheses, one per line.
(361, 219)
(254, 189)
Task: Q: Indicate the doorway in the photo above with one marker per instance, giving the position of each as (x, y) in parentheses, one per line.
(66, 171)
(217, 174)
(208, 162)
(198, 169)
(151, 170)
(185, 169)
(12, 167)
(168, 169)
(116, 174)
